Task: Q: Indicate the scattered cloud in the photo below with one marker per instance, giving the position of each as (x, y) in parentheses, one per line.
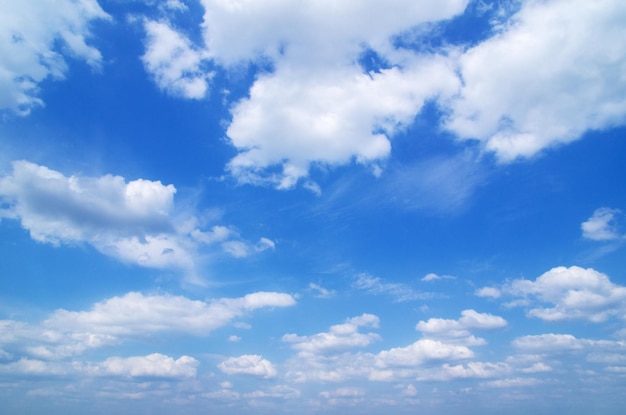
(34, 37)
(603, 225)
(460, 329)
(320, 291)
(399, 292)
(340, 336)
(132, 221)
(248, 365)
(65, 334)
(575, 294)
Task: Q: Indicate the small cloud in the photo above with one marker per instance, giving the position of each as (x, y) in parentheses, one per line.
(248, 365)
(399, 292)
(435, 277)
(234, 339)
(320, 291)
(489, 292)
(603, 225)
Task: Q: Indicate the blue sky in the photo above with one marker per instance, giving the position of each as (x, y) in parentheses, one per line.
(312, 207)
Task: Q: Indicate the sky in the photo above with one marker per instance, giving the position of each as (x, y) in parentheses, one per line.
(312, 207)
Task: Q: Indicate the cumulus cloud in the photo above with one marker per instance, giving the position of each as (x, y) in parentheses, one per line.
(318, 105)
(34, 37)
(65, 334)
(155, 365)
(340, 336)
(296, 117)
(134, 221)
(603, 225)
(137, 314)
(422, 351)
(460, 329)
(248, 365)
(575, 294)
(552, 72)
(174, 63)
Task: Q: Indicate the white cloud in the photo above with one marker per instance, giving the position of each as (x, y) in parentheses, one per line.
(422, 351)
(489, 292)
(46, 347)
(151, 366)
(553, 71)
(470, 370)
(34, 37)
(133, 221)
(249, 365)
(317, 106)
(297, 117)
(512, 382)
(154, 365)
(173, 62)
(451, 329)
(321, 291)
(436, 277)
(575, 294)
(135, 314)
(399, 292)
(602, 225)
(340, 336)
(275, 392)
(549, 342)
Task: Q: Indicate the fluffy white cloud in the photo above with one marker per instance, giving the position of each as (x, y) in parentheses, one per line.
(48, 348)
(602, 225)
(318, 105)
(554, 71)
(133, 221)
(574, 293)
(135, 314)
(30, 34)
(249, 365)
(297, 117)
(174, 63)
(340, 336)
(153, 366)
(464, 371)
(422, 351)
(451, 329)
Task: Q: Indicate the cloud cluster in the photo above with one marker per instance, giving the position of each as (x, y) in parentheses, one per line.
(65, 334)
(549, 72)
(574, 293)
(459, 330)
(329, 357)
(133, 221)
(34, 37)
(340, 336)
